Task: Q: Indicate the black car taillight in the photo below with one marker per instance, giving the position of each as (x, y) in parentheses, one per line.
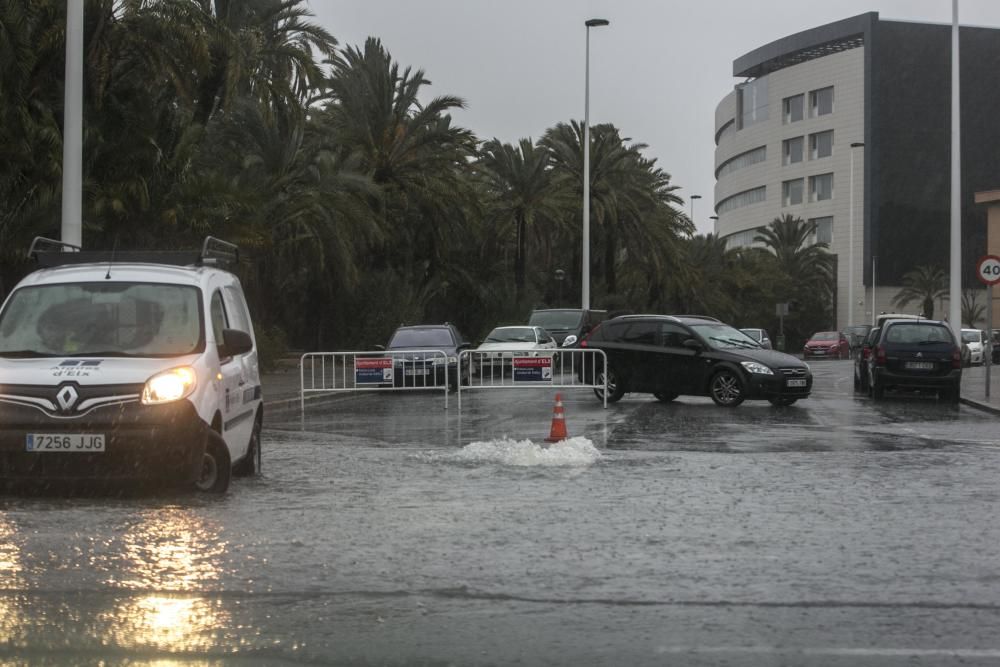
(956, 358)
(880, 355)
(583, 341)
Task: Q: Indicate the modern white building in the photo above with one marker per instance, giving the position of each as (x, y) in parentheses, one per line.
(847, 125)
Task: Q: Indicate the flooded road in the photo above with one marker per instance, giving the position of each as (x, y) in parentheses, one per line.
(388, 531)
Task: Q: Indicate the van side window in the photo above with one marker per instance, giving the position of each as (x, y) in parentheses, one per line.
(219, 319)
(236, 309)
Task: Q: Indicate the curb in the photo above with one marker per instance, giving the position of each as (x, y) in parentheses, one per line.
(979, 405)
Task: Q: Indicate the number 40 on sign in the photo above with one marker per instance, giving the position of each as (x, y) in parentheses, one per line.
(988, 269)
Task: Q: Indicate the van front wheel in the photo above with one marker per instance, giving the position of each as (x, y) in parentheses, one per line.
(216, 467)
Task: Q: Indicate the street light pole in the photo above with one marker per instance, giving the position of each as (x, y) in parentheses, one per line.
(585, 289)
(72, 167)
(693, 197)
(850, 243)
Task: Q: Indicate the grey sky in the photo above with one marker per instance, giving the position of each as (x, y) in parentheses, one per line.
(657, 72)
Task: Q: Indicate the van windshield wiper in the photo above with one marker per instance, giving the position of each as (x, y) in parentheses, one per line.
(25, 354)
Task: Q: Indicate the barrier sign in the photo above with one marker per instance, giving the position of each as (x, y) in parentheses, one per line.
(372, 371)
(532, 369)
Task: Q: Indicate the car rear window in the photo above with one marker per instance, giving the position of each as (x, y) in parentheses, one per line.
(917, 333)
(421, 338)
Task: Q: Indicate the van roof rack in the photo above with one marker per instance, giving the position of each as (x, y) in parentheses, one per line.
(49, 253)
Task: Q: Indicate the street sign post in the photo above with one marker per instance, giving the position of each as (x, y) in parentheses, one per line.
(988, 271)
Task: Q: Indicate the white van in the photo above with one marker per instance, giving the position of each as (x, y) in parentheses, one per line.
(129, 367)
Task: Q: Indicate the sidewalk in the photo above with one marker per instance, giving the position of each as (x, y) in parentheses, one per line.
(974, 388)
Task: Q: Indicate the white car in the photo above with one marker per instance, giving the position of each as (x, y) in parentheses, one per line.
(503, 343)
(133, 368)
(974, 341)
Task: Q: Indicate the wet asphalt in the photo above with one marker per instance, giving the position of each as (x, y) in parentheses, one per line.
(387, 530)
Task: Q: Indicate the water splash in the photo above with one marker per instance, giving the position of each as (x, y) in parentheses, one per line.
(578, 451)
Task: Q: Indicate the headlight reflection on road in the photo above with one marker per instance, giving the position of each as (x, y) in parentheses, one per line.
(11, 571)
(173, 558)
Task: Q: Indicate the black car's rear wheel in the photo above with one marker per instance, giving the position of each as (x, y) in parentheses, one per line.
(616, 388)
(726, 388)
(876, 390)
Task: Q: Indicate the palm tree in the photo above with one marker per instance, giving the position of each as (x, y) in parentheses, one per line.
(806, 263)
(522, 192)
(923, 284)
(972, 310)
(632, 202)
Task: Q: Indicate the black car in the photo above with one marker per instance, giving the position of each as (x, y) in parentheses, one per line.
(861, 359)
(700, 356)
(567, 325)
(413, 366)
(915, 355)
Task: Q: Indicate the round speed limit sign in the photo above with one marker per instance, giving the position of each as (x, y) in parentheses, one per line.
(988, 269)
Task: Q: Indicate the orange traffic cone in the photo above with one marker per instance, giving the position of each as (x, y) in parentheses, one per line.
(558, 430)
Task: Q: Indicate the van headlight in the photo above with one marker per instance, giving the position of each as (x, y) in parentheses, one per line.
(570, 340)
(756, 368)
(169, 386)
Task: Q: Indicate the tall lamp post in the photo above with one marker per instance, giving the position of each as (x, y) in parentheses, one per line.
(850, 245)
(585, 289)
(693, 197)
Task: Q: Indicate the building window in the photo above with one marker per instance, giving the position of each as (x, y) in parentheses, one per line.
(824, 230)
(742, 160)
(792, 150)
(792, 108)
(744, 239)
(820, 145)
(741, 199)
(751, 103)
(821, 101)
(821, 187)
(791, 192)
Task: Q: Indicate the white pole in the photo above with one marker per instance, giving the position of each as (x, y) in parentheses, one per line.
(955, 290)
(585, 293)
(585, 288)
(850, 250)
(72, 166)
(873, 289)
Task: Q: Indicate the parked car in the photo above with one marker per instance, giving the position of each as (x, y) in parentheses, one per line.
(856, 334)
(995, 346)
(567, 325)
(699, 356)
(827, 345)
(131, 368)
(915, 355)
(973, 346)
(760, 336)
(428, 370)
(500, 346)
(861, 360)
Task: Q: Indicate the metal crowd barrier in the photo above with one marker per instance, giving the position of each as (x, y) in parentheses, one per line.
(569, 368)
(412, 370)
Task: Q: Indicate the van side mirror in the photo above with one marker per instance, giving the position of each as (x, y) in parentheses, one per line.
(235, 343)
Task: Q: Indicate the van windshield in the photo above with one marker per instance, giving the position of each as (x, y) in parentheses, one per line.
(556, 319)
(113, 319)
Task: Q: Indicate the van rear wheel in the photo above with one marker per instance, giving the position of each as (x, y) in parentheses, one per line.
(216, 469)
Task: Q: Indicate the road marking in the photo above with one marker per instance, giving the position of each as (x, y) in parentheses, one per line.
(837, 651)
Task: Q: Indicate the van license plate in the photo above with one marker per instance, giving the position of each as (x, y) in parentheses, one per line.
(65, 442)
(796, 383)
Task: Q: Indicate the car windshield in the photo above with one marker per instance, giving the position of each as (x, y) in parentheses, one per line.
(421, 338)
(971, 336)
(512, 335)
(724, 337)
(826, 335)
(918, 334)
(111, 319)
(556, 319)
